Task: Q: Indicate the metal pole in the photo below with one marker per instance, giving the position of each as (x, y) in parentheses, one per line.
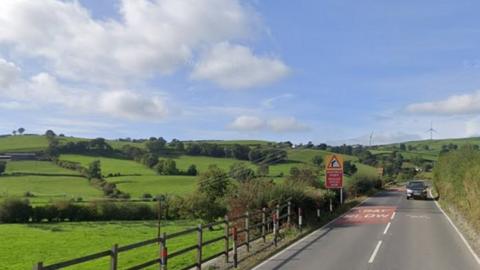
(341, 196)
(300, 221)
(331, 206)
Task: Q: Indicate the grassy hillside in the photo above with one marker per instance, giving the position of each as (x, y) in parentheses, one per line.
(36, 167)
(56, 242)
(46, 188)
(457, 178)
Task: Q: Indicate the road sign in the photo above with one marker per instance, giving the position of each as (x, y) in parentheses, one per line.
(334, 172)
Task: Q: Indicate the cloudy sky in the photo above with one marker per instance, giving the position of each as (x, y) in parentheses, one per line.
(327, 71)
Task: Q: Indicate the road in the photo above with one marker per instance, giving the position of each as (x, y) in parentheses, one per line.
(386, 232)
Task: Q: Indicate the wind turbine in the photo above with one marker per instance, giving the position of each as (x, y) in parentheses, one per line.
(371, 139)
(431, 130)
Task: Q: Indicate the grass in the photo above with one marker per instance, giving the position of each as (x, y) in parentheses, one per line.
(111, 165)
(36, 167)
(52, 243)
(155, 184)
(46, 188)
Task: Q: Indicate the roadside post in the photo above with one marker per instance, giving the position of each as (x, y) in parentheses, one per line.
(334, 173)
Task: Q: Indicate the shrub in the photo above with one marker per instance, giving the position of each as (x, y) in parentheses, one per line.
(3, 166)
(363, 184)
(15, 211)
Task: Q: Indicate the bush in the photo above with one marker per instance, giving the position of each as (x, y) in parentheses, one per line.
(15, 211)
(3, 166)
(363, 184)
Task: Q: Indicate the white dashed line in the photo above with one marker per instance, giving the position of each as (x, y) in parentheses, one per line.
(372, 258)
(386, 229)
(393, 215)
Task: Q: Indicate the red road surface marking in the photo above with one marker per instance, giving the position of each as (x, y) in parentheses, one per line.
(367, 215)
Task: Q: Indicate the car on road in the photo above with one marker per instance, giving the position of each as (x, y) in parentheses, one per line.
(416, 189)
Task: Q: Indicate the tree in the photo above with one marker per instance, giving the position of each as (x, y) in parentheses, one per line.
(167, 167)
(150, 159)
(3, 166)
(192, 170)
(317, 160)
(15, 210)
(94, 170)
(14, 132)
(49, 133)
(240, 172)
(155, 146)
(403, 147)
(349, 168)
(52, 150)
(213, 182)
(21, 130)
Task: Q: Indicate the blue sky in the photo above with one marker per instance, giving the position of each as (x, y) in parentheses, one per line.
(325, 71)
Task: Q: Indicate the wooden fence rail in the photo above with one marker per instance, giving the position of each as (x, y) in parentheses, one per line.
(230, 237)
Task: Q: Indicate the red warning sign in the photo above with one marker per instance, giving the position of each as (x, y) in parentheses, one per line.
(334, 172)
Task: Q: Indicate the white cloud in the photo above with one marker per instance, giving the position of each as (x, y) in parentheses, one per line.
(9, 73)
(277, 125)
(151, 37)
(236, 67)
(126, 104)
(44, 90)
(453, 105)
(286, 124)
(248, 123)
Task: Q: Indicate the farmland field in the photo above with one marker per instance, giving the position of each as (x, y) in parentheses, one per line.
(53, 243)
(111, 165)
(155, 184)
(37, 167)
(46, 188)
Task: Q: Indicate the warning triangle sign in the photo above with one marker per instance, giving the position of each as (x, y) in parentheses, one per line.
(335, 163)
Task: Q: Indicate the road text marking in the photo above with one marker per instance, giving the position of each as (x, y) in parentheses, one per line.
(372, 258)
(386, 229)
(367, 215)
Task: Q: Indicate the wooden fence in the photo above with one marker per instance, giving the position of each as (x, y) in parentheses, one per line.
(241, 231)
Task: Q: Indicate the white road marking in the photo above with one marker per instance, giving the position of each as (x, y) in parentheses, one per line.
(372, 258)
(304, 238)
(457, 230)
(386, 229)
(393, 215)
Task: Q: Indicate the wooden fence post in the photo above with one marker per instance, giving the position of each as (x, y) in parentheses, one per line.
(264, 221)
(289, 213)
(331, 206)
(235, 255)
(247, 230)
(164, 254)
(199, 248)
(227, 238)
(114, 258)
(38, 266)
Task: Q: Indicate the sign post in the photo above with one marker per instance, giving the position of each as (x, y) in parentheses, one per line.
(334, 173)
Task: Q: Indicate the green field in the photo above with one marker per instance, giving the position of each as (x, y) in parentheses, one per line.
(111, 165)
(36, 167)
(46, 188)
(155, 184)
(24, 245)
